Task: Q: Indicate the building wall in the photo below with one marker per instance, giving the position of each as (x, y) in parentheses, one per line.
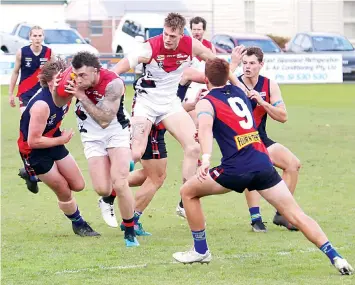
(10, 15)
(283, 18)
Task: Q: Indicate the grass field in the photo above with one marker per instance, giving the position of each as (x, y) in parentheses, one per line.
(39, 247)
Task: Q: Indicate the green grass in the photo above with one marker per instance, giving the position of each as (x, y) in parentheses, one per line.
(39, 247)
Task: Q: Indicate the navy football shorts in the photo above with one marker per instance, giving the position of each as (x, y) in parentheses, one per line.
(156, 147)
(40, 161)
(259, 180)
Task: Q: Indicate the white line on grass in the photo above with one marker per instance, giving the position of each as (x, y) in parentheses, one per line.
(135, 266)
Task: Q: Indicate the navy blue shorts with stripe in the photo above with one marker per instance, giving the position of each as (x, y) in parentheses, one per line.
(40, 161)
(259, 180)
(156, 147)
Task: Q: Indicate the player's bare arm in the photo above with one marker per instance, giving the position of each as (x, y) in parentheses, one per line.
(199, 50)
(106, 110)
(205, 116)
(142, 54)
(276, 109)
(39, 116)
(14, 77)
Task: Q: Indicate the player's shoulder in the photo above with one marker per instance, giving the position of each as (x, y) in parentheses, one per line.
(107, 75)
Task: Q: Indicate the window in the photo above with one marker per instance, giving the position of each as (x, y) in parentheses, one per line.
(62, 37)
(265, 45)
(249, 15)
(96, 27)
(132, 28)
(349, 9)
(24, 32)
(225, 43)
(14, 30)
(306, 44)
(331, 43)
(298, 40)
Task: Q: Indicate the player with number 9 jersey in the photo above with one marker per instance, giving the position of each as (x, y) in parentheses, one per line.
(243, 153)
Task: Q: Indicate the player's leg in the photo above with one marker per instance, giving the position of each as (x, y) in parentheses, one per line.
(191, 192)
(184, 131)
(284, 159)
(68, 168)
(280, 197)
(120, 158)
(99, 171)
(50, 175)
(136, 178)
(26, 173)
(140, 128)
(253, 201)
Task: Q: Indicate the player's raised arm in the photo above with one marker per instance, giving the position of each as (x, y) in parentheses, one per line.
(276, 109)
(142, 54)
(106, 110)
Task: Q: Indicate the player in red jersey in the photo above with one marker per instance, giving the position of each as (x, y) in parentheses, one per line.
(103, 126)
(164, 58)
(226, 115)
(267, 102)
(198, 27)
(41, 145)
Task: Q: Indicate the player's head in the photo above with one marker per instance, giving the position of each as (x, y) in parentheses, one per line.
(174, 25)
(36, 36)
(86, 67)
(49, 70)
(253, 61)
(217, 72)
(198, 27)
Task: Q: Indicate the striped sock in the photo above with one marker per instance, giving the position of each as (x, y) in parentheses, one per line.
(255, 214)
(76, 218)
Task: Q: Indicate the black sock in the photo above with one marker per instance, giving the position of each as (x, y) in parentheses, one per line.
(181, 204)
(109, 199)
(129, 226)
(277, 213)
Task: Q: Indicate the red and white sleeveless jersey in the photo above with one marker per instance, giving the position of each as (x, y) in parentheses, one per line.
(163, 72)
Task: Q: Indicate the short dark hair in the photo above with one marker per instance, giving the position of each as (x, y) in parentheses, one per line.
(85, 58)
(49, 69)
(197, 20)
(175, 21)
(217, 71)
(255, 51)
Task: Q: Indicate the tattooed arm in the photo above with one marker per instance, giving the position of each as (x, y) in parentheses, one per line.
(105, 111)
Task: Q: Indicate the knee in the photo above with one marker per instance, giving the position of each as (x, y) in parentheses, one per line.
(103, 190)
(137, 154)
(158, 180)
(192, 150)
(294, 164)
(78, 186)
(120, 185)
(185, 192)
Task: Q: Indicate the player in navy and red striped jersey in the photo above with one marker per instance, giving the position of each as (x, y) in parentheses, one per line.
(29, 60)
(41, 145)
(28, 63)
(267, 101)
(226, 114)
